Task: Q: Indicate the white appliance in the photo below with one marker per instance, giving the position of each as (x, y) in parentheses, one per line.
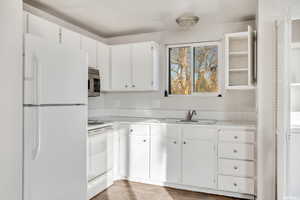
(100, 160)
(55, 121)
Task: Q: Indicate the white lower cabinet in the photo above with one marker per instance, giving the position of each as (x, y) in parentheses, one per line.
(139, 157)
(236, 158)
(199, 157)
(189, 156)
(134, 152)
(123, 150)
(236, 184)
(199, 163)
(236, 167)
(165, 156)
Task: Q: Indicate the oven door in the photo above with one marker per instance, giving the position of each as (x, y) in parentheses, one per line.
(100, 152)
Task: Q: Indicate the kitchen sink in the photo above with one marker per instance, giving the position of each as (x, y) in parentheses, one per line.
(201, 121)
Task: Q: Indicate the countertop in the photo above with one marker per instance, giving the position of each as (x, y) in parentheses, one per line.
(112, 120)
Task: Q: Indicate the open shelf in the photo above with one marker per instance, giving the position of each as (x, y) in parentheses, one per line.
(295, 34)
(295, 65)
(238, 78)
(238, 53)
(238, 69)
(295, 45)
(239, 60)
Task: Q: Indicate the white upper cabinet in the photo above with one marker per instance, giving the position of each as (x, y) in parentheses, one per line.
(135, 67)
(90, 46)
(121, 67)
(43, 28)
(143, 62)
(103, 64)
(199, 156)
(239, 60)
(69, 38)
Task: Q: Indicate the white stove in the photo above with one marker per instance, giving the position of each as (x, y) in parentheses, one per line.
(100, 157)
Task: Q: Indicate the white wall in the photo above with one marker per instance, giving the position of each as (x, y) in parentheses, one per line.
(232, 101)
(11, 100)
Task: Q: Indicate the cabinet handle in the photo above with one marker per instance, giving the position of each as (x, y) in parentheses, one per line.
(235, 184)
(144, 140)
(133, 85)
(236, 137)
(235, 167)
(131, 130)
(184, 142)
(235, 151)
(175, 142)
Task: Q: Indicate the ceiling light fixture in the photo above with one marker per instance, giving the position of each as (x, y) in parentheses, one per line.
(187, 21)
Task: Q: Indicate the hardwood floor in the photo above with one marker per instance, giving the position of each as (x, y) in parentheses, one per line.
(124, 190)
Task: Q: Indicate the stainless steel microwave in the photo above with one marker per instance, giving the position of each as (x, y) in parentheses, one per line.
(94, 84)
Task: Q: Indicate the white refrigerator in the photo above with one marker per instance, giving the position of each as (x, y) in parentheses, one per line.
(55, 121)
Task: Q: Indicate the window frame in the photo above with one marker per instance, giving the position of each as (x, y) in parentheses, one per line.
(193, 45)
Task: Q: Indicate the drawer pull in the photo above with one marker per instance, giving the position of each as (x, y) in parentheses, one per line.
(235, 184)
(131, 130)
(144, 140)
(235, 151)
(236, 137)
(235, 167)
(184, 142)
(175, 142)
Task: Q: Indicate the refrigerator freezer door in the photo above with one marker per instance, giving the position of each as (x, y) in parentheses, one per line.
(55, 153)
(54, 73)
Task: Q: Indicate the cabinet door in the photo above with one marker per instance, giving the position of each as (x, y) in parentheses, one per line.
(121, 67)
(42, 28)
(123, 132)
(90, 46)
(165, 154)
(142, 66)
(139, 157)
(199, 163)
(70, 38)
(134, 151)
(103, 54)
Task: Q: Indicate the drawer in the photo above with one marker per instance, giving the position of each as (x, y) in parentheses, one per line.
(197, 132)
(237, 135)
(236, 168)
(139, 130)
(236, 184)
(236, 151)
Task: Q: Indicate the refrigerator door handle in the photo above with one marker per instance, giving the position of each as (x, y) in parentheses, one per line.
(35, 64)
(37, 137)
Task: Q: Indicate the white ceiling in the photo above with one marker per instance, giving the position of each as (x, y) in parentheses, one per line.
(110, 18)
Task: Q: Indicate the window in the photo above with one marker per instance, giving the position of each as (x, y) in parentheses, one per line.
(193, 68)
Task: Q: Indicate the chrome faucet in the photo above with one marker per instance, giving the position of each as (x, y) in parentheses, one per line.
(190, 115)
